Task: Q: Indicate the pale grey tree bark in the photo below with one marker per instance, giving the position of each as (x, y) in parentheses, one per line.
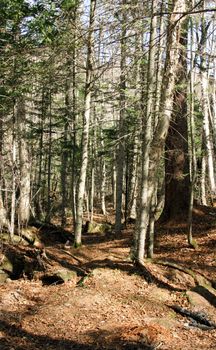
(147, 133)
(203, 180)
(85, 132)
(207, 132)
(25, 165)
(3, 213)
(153, 149)
(14, 173)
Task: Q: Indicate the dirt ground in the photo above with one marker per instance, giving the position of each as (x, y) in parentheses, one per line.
(108, 304)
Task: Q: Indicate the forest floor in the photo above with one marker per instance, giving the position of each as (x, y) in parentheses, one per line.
(108, 304)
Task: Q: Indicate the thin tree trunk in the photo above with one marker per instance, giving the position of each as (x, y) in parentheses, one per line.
(120, 155)
(64, 158)
(14, 175)
(203, 180)
(74, 117)
(85, 133)
(49, 161)
(103, 187)
(151, 227)
(147, 137)
(92, 194)
(114, 176)
(25, 183)
(39, 177)
(3, 213)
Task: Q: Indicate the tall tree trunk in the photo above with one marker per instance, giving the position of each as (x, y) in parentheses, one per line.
(25, 165)
(14, 174)
(74, 115)
(64, 155)
(177, 179)
(204, 65)
(147, 137)
(39, 187)
(207, 133)
(191, 123)
(3, 213)
(120, 155)
(133, 180)
(203, 179)
(114, 176)
(49, 162)
(155, 148)
(85, 133)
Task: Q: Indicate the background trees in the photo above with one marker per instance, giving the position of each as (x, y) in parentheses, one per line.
(144, 72)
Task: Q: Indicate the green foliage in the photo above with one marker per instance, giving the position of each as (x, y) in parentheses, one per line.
(68, 5)
(43, 26)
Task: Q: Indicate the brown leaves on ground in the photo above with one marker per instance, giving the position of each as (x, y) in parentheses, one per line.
(114, 307)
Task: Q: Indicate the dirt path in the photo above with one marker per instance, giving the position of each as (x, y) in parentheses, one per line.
(113, 307)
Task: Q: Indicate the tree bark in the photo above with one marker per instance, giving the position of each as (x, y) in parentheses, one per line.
(120, 154)
(85, 133)
(25, 166)
(156, 146)
(147, 138)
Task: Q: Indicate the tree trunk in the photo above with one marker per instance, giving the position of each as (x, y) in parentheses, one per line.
(203, 181)
(85, 133)
(147, 138)
(14, 174)
(3, 213)
(155, 148)
(39, 187)
(25, 166)
(207, 133)
(114, 176)
(74, 116)
(120, 155)
(177, 179)
(49, 162)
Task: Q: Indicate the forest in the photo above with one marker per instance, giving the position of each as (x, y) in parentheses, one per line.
(107, 174)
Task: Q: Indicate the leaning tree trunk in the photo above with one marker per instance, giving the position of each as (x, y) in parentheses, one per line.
(85, 133)
(155, 150)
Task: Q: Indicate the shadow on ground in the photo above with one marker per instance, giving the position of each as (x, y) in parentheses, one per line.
(14, 337)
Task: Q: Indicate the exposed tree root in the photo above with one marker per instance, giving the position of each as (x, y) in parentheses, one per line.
(199, 318)
(151, 278)
(199, 279)
(203, 287)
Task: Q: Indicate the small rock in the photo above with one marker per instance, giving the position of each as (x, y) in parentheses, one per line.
(197, 300)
